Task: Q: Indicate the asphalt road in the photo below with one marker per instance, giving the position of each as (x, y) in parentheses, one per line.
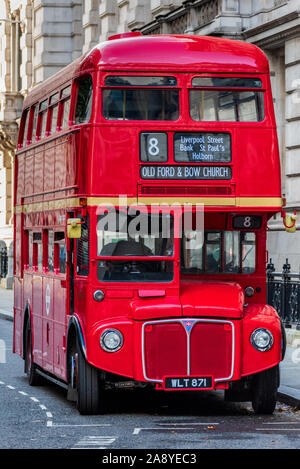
(42, 418)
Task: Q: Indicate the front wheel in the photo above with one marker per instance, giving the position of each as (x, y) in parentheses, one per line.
(89, 399)
(264, 391)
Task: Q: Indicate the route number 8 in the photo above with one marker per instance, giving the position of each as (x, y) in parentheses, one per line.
(153, 148)
(247, 222)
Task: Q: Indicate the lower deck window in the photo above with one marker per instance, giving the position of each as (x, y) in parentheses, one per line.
(218, 252)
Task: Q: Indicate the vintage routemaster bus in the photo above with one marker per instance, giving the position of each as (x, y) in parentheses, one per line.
(140, 131)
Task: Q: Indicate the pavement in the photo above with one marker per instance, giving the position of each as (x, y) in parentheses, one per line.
(289, 390)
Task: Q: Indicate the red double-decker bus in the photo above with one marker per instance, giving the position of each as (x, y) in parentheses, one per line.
(117, 283)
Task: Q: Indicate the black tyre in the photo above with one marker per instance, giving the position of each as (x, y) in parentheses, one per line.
(89, 391)
(264, 391)
(34, 378)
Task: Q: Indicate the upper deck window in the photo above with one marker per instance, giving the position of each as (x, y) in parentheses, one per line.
(43, 117)
(141, 104)
(34, 125)
(26, 126)
(227, 82)
(231, 102)
(53, 112)
(140, 81)
(65, 106)
(84, 100)
(127, 103)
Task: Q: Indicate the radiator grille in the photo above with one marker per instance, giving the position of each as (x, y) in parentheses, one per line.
(207, 350)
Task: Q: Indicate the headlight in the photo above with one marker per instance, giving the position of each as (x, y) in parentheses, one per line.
(249, 291)
(98, 295)
(111, 340)
(262, 339)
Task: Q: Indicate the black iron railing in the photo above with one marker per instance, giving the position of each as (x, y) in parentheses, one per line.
(3, 262)
(283, 293)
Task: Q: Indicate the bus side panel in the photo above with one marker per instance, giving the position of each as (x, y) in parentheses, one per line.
(18, 317)
(37, 319)
(261, 160)
(59, 327)
(47, 308)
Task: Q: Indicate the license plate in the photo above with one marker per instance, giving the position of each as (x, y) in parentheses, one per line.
(189, 383)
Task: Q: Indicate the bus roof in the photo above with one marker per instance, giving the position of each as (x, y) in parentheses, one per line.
(180, 53)
(177, 53)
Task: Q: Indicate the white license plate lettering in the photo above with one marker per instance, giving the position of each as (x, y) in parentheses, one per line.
(188, 383)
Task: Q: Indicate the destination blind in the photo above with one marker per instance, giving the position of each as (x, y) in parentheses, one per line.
(185, 172)
(211, 147)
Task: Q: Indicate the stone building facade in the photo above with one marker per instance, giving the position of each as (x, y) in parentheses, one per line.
(39, 37)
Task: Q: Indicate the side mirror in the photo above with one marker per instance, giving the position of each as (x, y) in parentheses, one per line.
(74, 228)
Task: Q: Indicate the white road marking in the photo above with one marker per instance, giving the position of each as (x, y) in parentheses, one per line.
(80, 425)
(34, 399)
(99, 442)
(281, 423)
(188, 424)
(280, 429)
(137, 430)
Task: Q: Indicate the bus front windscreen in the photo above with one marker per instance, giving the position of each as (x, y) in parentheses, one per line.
(121, 237)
